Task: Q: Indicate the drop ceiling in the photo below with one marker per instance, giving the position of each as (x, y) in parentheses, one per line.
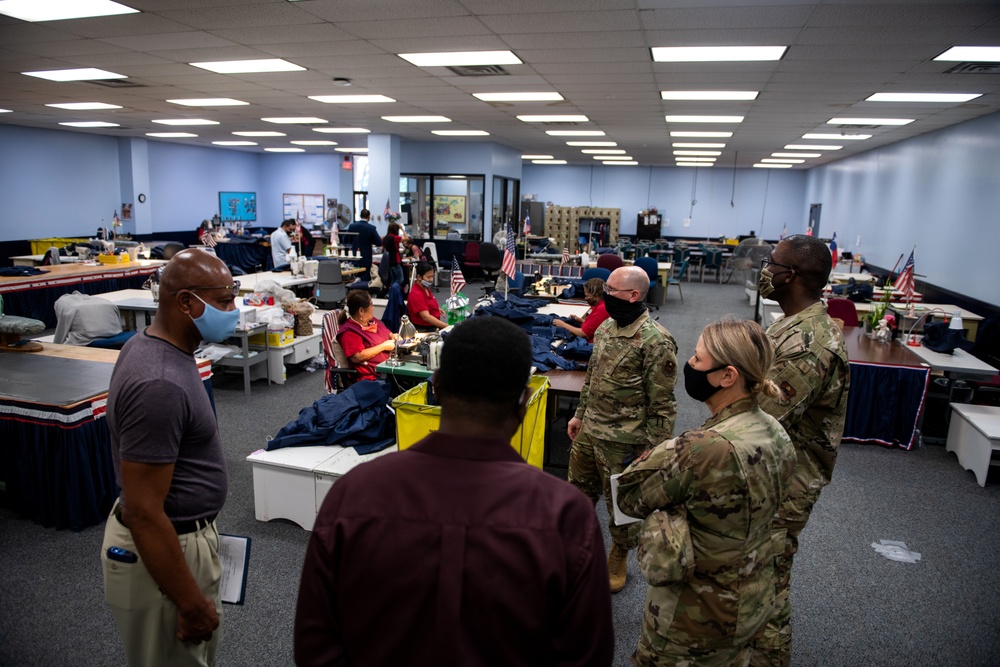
(595, 53)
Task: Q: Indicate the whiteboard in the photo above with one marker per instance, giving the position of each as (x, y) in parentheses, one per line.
(307, 208)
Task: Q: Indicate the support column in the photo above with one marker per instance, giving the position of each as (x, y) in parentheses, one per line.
(383, 176)
(133, 168)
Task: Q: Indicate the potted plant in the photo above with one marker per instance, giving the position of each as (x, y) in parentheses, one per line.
(878, 309)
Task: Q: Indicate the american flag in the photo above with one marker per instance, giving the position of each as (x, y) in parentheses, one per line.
(527, 224)
(208, 238)
(904, 282)
(565, 256)
(457, 279)
(784, 232)
(509, 255)
(385, 214)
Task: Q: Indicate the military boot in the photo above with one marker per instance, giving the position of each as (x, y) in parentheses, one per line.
(617, 567)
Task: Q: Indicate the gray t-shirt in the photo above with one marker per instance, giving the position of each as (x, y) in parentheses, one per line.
(159, 412)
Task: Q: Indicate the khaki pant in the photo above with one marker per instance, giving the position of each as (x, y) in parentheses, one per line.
(592, 462)
(146, 618)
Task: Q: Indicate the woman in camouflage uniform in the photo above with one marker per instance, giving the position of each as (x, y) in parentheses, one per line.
(708, 498)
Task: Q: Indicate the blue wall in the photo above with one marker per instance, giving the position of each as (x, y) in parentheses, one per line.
(939, 192)
(774, 195)
(290, 173)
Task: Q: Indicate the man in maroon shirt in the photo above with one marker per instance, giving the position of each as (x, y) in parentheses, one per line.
(455, 551)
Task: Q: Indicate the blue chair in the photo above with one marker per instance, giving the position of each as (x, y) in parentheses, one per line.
(516, 284)
(596, 272)
(114, 342)
(652, 269)
(677, 280)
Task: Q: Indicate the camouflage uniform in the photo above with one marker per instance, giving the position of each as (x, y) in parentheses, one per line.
(627, 406)
(707, 545)
(811, 369)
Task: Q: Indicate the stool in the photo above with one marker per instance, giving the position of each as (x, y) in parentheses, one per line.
(974, 436)
(12, 327)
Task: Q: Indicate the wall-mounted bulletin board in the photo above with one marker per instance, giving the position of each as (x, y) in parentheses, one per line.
(310, 208)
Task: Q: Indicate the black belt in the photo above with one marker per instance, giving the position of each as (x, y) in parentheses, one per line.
(181, 527)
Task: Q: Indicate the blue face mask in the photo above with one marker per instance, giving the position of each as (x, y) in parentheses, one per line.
(216, 325)
(427, 283)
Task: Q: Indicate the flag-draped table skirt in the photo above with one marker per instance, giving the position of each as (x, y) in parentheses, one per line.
(885, 403)
(39, 302)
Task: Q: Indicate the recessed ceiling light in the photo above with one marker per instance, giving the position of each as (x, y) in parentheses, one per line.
(78, 74)
(210, 102)
(603, 151)
(417, 119)
(974, 54)
(352, 99)
(575, 133)
(695, 164)
(6, 111)
(257, 133)
(724, 95)
(341, 130)
(90, 123)
(293, 120)
(84, 106)
(697, 152)
(692, 54)
(811, 147)
(704, 119)
(536, 157)
(185, 121)
(695, 159)
(548, 162)
(943, 98)
(796, 155)
(837, 137)
(235, 143)
(782, 161)
(171, 135)
(249, 66)
(351, 150)
(869, 121)
(54, 10)
(591, 143)
(612, 157)
(518, 97)
(285, 150)
(707, 135)
(697, 145)
(554, 118)
(461, 133)
(762, 165)
(629, 163)
(461, 58)
(310, 142)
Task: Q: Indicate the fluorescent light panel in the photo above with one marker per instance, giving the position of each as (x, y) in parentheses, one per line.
(285, 150)
(548, 162)
(210, 102)
(694, 54)
(293, 120)
(762, 165)
(461, 133)
(837, 137)
(83, 106)
(6, 111)
(697, 145)
(706, 135)
(256, 133)
(536, 157)
(235, 143)
(554, 118)
(310, 142)
(351, 150)
(612, 157)
(605, 151)
(709, 95)
(973, 54)
(171, 135)
(185, 121)
(518, 97)
(781, 161)
(696, 159)
(249, 66)
(460, 58)
(811, 147)
(704, 119)
(417, 119)
(869, 121)
(697, 152)
(591, 143)
(90, 123)
(77, 74)
(61, 10)
(942, 98)
(352, 99)
(341, 130)
(630, 163)
(695, 164)
(797, 155)
(575, 133)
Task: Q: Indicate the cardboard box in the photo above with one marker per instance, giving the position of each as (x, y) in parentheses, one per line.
(274, 338)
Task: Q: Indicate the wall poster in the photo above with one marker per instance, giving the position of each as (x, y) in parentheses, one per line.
(307, 208)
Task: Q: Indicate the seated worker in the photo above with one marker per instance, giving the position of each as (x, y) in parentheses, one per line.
(281, 242)
(308, 241)
(422, 307)
(367, 342)
(593, 294)
(411, 249)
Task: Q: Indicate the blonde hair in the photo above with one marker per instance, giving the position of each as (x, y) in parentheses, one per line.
(744, 345)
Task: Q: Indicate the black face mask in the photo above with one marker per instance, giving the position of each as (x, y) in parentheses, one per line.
(621, 311)
(696, 382)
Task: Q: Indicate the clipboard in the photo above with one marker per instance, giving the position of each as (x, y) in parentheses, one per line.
(234, 552)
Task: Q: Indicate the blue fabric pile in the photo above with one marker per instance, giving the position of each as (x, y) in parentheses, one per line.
(357, 417)
(20, 271)
(523, 313)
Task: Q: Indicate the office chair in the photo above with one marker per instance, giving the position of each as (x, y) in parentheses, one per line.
(712, 262)
(657, 293)
(330, 287)
(596, 272)
(471, 257)
(490, 260)
(51, 257)
(843, 309)
(171, 249)
(610, 261)
(339, 372)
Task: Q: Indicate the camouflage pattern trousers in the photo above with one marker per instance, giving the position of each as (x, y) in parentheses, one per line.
(774, 647)
(675, 655)
(592, 462)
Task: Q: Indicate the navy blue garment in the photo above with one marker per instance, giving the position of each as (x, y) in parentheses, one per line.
(576, 348)
(544, 359)
(20, 271)
(356, 417)
(394, 309)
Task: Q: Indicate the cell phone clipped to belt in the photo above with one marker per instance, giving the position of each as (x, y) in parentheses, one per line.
(122, 555)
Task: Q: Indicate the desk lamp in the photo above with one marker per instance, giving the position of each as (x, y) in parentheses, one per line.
(956, 321)
(406, 332)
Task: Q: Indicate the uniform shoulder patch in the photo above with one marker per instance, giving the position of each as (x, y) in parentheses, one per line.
(787, 390)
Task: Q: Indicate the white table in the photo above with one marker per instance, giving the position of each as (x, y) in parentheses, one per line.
(249, 282)
(563, 309)
(36, 260)
(974, 434)
(291, 483)
(961, 363)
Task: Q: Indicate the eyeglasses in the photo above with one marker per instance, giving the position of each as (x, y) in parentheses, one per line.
(234, 288)
(611, 290)
(764, 263)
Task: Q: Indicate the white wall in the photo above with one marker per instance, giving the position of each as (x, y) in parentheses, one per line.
(939, 192)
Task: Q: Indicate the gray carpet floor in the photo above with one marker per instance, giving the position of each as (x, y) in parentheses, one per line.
(851, 605)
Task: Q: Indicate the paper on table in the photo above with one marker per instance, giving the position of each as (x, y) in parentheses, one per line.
(621, 519)
(234, 552)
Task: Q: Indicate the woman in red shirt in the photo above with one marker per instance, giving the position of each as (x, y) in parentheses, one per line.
(422, 307)
(367, 342)
(390, 254)
(593, 294)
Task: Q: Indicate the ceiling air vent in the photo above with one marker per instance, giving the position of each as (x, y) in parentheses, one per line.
(118, 83)
(974, 68)
(479, 70)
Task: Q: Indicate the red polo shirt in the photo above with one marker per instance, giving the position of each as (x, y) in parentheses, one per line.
(422, 299)
(597, 315)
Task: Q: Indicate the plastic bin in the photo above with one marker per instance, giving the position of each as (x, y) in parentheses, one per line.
(415, 420)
